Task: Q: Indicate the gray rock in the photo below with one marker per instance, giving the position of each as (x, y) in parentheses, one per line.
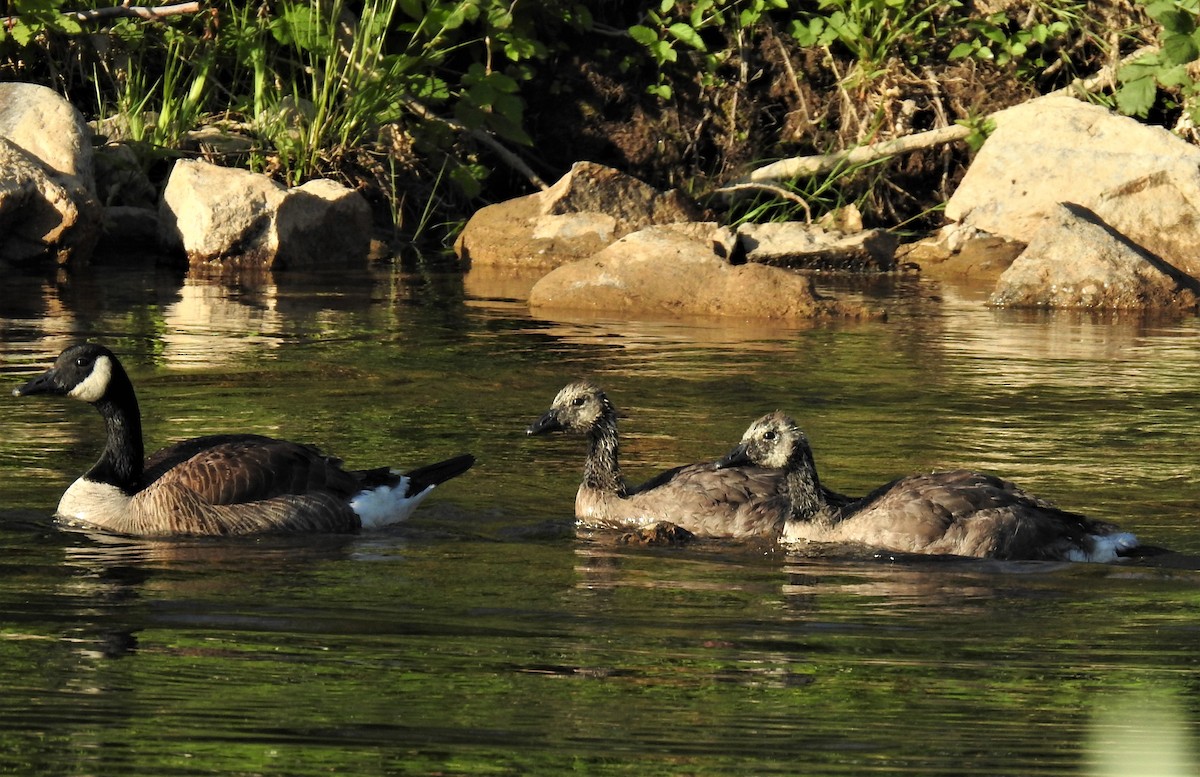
(48, 205)
(804, 247)
(584, 211)
(660, 270)
(42, 214)
(1141, 180)
(235, 218)
(1077, 261)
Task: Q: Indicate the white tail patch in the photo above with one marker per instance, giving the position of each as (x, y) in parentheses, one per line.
(1107, 547)
(386, 505)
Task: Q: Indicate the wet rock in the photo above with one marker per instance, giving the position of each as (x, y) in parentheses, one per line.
(587, 209)
(238, 219)
(48, 204)
(804, 247)
(663, 270)
(1142, 181)
(1077, 261)
(952, 254)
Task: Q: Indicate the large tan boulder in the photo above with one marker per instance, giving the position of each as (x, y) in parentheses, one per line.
(235, 218)
(1142, 181)
(584, 211)
(1075, 261)
(48, 206)
(662, 270)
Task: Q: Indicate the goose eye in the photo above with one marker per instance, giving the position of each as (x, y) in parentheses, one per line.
(82, 361)
(769, 436)
(578, 401)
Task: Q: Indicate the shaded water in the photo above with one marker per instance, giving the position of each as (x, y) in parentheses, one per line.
(484, 637)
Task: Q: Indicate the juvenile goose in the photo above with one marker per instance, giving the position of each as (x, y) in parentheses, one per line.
(961, 513)
(218, 485)
(700, 498)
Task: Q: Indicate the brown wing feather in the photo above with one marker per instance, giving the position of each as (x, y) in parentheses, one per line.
(236, 469)
(171, 509)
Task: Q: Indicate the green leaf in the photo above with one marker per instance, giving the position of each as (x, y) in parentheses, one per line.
(643, 35)
(963, 50)
(686, 34)
(1179, 49)
(662, 91)
(1135, 98)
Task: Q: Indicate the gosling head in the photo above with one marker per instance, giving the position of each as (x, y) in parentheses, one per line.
(84, 372)
(577, 409)
(770, 442)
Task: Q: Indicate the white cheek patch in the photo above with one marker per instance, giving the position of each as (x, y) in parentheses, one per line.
(96, 383)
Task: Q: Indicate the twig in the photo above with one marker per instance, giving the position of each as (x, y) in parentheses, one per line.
(777, 191)
(801, 166)
(123, 11)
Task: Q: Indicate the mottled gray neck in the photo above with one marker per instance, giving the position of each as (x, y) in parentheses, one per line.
(121, 462)
(804, 486)
(602, 470)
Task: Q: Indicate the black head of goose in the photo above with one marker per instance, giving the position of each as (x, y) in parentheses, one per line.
(697, 497)
(960, 513)
(217, 485)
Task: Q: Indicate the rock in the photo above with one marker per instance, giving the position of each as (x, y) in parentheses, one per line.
(587, 209)
(45, 125)
(235, 218)
(803, 247)
(978, 256)
(42, 213)
(47, 190)
(1141, 180)
(1076, 261)
(660, 270)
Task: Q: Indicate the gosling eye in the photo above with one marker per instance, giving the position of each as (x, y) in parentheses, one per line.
(769, 436)
(578, 401)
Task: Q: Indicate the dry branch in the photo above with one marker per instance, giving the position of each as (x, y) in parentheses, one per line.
(123, 11)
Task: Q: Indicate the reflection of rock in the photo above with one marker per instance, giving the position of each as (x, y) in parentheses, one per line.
(211, 325)
(47, 191)
(1074, 261)
(586, 210)
(661, 270)
(234, 217)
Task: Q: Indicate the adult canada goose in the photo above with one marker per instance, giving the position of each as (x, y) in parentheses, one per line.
(218, 485)
(700, 498)
(961, 513)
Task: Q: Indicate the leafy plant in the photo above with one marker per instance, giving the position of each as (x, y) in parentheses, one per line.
(873, 31)
(673, 26)
(1167, 68)
(1024, 43)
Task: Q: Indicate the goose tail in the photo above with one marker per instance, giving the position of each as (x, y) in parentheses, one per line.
(430, 475)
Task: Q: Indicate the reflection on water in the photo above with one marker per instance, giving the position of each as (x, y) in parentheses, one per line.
(483, 637)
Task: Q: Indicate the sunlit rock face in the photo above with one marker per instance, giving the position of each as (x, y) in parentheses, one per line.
(1076, 261)
(235, 218)
(584, 211)
(1141, 181)
(47, 187)
(663, 270)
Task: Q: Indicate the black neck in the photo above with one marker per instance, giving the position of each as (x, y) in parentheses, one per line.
(121, 462)
(804, 486)
(602, 470)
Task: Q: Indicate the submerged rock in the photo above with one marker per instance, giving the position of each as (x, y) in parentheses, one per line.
(1076, 261)
(584, 211)
(239, 219)
(663, 270)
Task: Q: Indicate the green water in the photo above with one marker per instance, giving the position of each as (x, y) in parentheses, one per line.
(484, 638)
